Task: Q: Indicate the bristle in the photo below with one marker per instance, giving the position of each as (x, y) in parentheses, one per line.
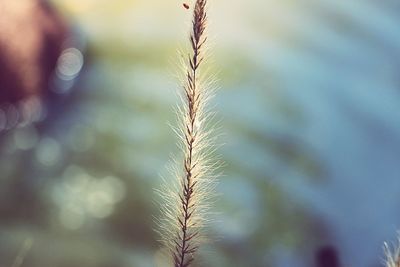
(186, 199)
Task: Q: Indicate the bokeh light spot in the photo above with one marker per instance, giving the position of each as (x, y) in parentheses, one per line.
(69, 64)
(100, 204)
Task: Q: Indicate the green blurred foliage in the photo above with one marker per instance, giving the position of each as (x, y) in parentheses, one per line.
(81, 183)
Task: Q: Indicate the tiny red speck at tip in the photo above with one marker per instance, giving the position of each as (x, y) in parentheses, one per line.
(185, 5)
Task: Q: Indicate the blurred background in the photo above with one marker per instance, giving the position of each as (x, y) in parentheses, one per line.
(310, 115)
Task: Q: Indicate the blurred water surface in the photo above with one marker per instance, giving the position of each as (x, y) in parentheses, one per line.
(310, 115)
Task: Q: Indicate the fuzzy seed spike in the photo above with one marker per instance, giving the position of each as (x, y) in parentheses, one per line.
(186, 199)
(392, 254)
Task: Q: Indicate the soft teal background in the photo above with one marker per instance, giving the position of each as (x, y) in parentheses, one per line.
(310, 114)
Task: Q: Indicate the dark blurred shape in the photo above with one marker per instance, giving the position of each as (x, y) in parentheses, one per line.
(327, 256)
(31, 40)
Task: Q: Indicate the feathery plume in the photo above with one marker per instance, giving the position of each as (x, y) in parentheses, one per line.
(186, 200)
(392, 254)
